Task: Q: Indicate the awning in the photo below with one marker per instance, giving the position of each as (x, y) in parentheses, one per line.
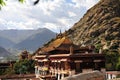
(78, 61)
(36, 59)
(63, 60)
(97, 60)
(54, 61)
(45, 60)
(36, 66)
(40, 61)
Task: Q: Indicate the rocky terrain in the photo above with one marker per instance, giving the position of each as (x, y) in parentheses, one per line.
(100, 26)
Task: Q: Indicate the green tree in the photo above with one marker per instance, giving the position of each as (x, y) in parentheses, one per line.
(98, 46)
(24, 66)
(2, 3)
(112, 60)
(118, 65)
(9, 71)
(2, 71)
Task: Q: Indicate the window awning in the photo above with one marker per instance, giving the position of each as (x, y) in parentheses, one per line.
(45, 60)
(40, 61)
(54, 61)
(97, 60)
(63, 60)
(36, 59)
(78, 61)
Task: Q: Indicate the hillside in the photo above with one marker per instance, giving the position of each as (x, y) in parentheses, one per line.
(100, 26)
(35, 40)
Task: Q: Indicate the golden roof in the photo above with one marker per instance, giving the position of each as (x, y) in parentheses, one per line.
(63, 43)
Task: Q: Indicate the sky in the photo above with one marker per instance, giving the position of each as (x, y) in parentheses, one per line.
(55, 15)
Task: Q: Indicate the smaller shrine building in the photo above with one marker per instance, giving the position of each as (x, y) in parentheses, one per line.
(25, 55)
(61, 58)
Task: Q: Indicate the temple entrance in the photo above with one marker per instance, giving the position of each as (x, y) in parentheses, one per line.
(78, 68)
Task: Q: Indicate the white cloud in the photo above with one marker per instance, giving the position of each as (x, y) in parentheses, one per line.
(85, 3)
(52, 14)
(72, 14)
(51, 26)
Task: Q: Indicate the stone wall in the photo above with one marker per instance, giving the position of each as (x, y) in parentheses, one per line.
(94, 75)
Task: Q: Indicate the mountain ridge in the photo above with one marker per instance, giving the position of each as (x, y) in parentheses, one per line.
(23, 38)
(16, 35)
(37, 40)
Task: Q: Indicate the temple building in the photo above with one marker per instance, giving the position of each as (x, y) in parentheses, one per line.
(61, 58)
(24, 55)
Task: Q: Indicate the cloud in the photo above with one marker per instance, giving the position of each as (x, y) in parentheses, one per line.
(51, 14)
(72, 14)
(85, 3)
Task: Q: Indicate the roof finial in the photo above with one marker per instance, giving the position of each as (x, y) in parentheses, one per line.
(60, 31)
(60, 34)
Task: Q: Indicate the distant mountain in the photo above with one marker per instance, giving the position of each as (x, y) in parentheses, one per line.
(25, 39)
(6, 43)
(100, 26)
(17, 36)
(36, 40)
(4, 52)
